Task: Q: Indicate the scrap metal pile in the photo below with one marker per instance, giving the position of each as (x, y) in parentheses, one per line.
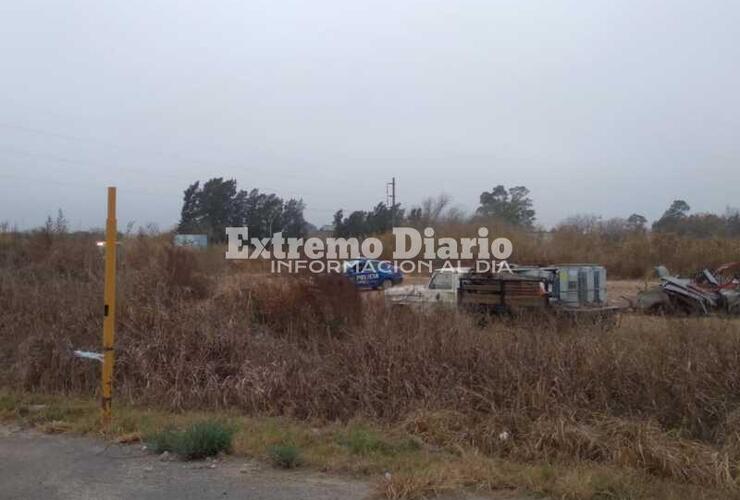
(709, 292)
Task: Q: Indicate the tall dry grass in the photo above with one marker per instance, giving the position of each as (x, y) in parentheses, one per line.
(193, 332)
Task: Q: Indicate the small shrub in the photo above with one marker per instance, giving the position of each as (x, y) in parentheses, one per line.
(285, 455)
(361, 441)
(200, 440)
(204, 439)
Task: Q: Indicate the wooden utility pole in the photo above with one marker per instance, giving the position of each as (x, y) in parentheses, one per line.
(109, 312)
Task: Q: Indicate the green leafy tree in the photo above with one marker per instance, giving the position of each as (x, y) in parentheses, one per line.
(513, 206)
(190, 212)
(338, 223)
(209, 208)
(293, 222)
(356, 224)
(217, 204)
(672, 218)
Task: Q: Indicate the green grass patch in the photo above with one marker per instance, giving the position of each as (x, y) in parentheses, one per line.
(285, 455)
(204, 439)
(200, 440)
(362, 441)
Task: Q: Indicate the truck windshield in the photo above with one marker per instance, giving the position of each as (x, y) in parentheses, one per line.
(441, 281)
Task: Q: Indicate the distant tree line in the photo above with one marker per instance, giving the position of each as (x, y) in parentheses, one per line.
(512, 206)
(217, 204)
(210, 207)
(675, 220)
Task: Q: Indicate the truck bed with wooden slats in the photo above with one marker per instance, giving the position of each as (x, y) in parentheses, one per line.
(501, 291)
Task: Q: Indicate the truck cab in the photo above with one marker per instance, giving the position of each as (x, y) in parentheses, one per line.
(441, 289)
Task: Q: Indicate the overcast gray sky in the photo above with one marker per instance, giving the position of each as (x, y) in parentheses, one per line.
(607, 107)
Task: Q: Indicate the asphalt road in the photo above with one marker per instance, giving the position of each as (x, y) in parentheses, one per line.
(56, 467)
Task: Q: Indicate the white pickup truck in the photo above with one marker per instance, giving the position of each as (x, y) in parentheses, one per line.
(441, 289)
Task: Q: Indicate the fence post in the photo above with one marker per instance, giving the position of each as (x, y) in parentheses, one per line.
(109, 310)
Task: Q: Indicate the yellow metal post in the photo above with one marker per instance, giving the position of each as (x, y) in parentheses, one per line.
(109, 314)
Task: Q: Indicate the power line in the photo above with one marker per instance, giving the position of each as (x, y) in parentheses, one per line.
(178, 157)
(173, 156)
(88, 186)
(73, 162)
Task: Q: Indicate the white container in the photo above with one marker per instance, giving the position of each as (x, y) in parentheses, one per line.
(568, 293)
(600, 284)
(581, 284)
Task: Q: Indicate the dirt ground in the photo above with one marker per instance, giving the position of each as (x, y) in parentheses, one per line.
(36, 466)
(617, 289)
(60, 467)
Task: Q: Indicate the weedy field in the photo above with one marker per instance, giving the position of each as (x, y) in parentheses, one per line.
(649, 409)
